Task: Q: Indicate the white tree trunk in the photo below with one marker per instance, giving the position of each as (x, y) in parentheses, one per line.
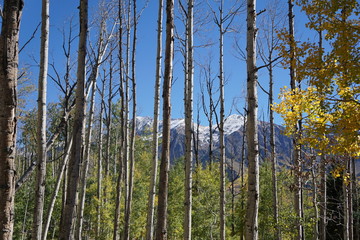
(56, 191)
(41, 124)
(189, 120)
(221, 127)
(161, 228)
(296, 147)
(155, 137)
(133, 127)
(100, 163)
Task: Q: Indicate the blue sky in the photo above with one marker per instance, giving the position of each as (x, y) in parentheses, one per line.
(235, 70)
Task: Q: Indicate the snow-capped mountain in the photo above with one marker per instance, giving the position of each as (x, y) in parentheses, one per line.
(233, 130)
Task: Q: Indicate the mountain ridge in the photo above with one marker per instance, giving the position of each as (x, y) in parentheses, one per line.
(233, 132)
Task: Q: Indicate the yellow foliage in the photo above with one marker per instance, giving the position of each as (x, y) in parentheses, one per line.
(329, 107)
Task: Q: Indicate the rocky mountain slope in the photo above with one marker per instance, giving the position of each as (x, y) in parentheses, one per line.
(234, 130)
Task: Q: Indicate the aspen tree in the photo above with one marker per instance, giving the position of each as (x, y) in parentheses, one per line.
(41, 124)
(11, 16)
(251, 126)
(272, 23)
(326, 107)
(221, 127)
(155, 127)
(220, 21)
(189, 119)
(69, 215)
(122, 153)
(100, 159)
(296, 146)
(56, 191)
(161, 228)
(127, 107)
(133, 127)
(102, 44)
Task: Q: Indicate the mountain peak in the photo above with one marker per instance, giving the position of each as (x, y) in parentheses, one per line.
(233, 123)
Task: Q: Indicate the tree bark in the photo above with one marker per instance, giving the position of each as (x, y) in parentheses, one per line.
(189, 120)
(355, 200)
(315, 199)
(252, 127)
(323, 201)
(56, 191)
(221, 127)
(242, 179)
(296, 147)
(155, 138)
(12, 11)
(69, 215)
(133, 127)
(122, 122)
(346, 206)
(127, 109)
(100, 162)
(273, 151)
(41, 124)
(109, 120)
(85, 166)
(161, 228)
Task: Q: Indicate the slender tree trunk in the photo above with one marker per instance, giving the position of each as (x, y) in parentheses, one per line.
(161, 228)
(85, 166)
(56, 191)
(221, 127)
(196, 138)
(323, 201)
(121, 163)
(11, 16)
(23, 229)
(65, 182)
(233, 196)
(322, 187)
(252, 127)
(127, 110)
(314, 199)
(102, 46)
(189, 121)
(346, 207)
(296, 147)
(122, 122)
(67, 109)
(100, 162)
(242, 179)
(273, 151)
(350, 201)
(155, 138)
(133, 128)
(41, 124)
(210, 139)
(355, 201)
(69, 215)
(109, 120)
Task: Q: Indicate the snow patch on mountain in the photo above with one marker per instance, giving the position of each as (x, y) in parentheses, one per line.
(233, 123)
(177, 124)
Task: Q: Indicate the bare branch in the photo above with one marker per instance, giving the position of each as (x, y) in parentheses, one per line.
(31, 38)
